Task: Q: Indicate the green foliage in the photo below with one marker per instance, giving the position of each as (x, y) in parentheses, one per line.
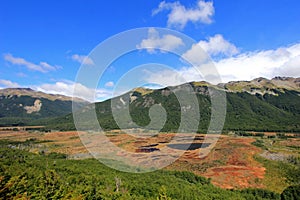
(260, 194)
(279, 174)
(191, 178)
(291, 193)
(255, 112)
(294, 172)
(259, 143)
(163, 194)
(32, 176)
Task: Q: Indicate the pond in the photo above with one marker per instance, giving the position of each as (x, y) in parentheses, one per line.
(187, 146)
(146, 150)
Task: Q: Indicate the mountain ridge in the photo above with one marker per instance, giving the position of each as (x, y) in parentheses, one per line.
(264, 85)
(255, 86)
(269, 108)
(37, 94)
(260, 83)
(260, 104)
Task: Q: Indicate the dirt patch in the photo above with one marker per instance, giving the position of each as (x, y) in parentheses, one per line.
(240, 169)
(235, 176)
(291, 142)
(230, 164)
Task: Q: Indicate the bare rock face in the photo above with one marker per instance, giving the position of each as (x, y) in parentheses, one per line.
(35, 108)
(287, 82)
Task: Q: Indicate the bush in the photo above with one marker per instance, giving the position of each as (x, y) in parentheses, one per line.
(264, 194)
(291, 193)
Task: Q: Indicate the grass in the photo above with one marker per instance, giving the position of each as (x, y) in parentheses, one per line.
(276, 172)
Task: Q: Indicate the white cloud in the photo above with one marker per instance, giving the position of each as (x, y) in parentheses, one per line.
(41, 67)
(168, 77)
(83, 59)
(164, 43)
(179, 15)
(284, 61)
(290, 68)
(67, 88)
(215, 46)
(196, 55)
(218, 45)
(109, 84)
(8, 84)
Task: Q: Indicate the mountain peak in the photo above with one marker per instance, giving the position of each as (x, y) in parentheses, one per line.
(282, 78)
(200, 83)
(260, 79)
(142, 90)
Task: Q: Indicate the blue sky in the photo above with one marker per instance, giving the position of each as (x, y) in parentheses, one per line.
(43, 43)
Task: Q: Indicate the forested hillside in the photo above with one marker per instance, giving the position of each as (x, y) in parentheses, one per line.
(275, 110)
(21, 106)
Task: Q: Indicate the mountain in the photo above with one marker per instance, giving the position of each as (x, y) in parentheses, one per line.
(20, 106)
(263, 85)
(260, 105)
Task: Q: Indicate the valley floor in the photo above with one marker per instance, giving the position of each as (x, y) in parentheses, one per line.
(233, 162)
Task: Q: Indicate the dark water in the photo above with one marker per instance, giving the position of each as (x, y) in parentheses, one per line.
(150, 145)
(193, 146)
(146, 150)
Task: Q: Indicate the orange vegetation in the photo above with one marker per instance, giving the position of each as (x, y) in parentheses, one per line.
(229, 164)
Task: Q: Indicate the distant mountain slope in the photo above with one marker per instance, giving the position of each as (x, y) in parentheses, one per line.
(260, 104)
(23, 105)
(263, 85)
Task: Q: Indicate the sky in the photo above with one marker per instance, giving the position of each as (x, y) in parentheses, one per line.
(45, 44)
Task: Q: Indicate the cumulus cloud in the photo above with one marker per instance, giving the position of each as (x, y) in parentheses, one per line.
(8, 84)
(82, 59)
(41, 67)
(179, 15)
(166, 42)
(214, 46)
(67, 88)
(218, 45)
(168, 77)
(109, 84)
(284, 61)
